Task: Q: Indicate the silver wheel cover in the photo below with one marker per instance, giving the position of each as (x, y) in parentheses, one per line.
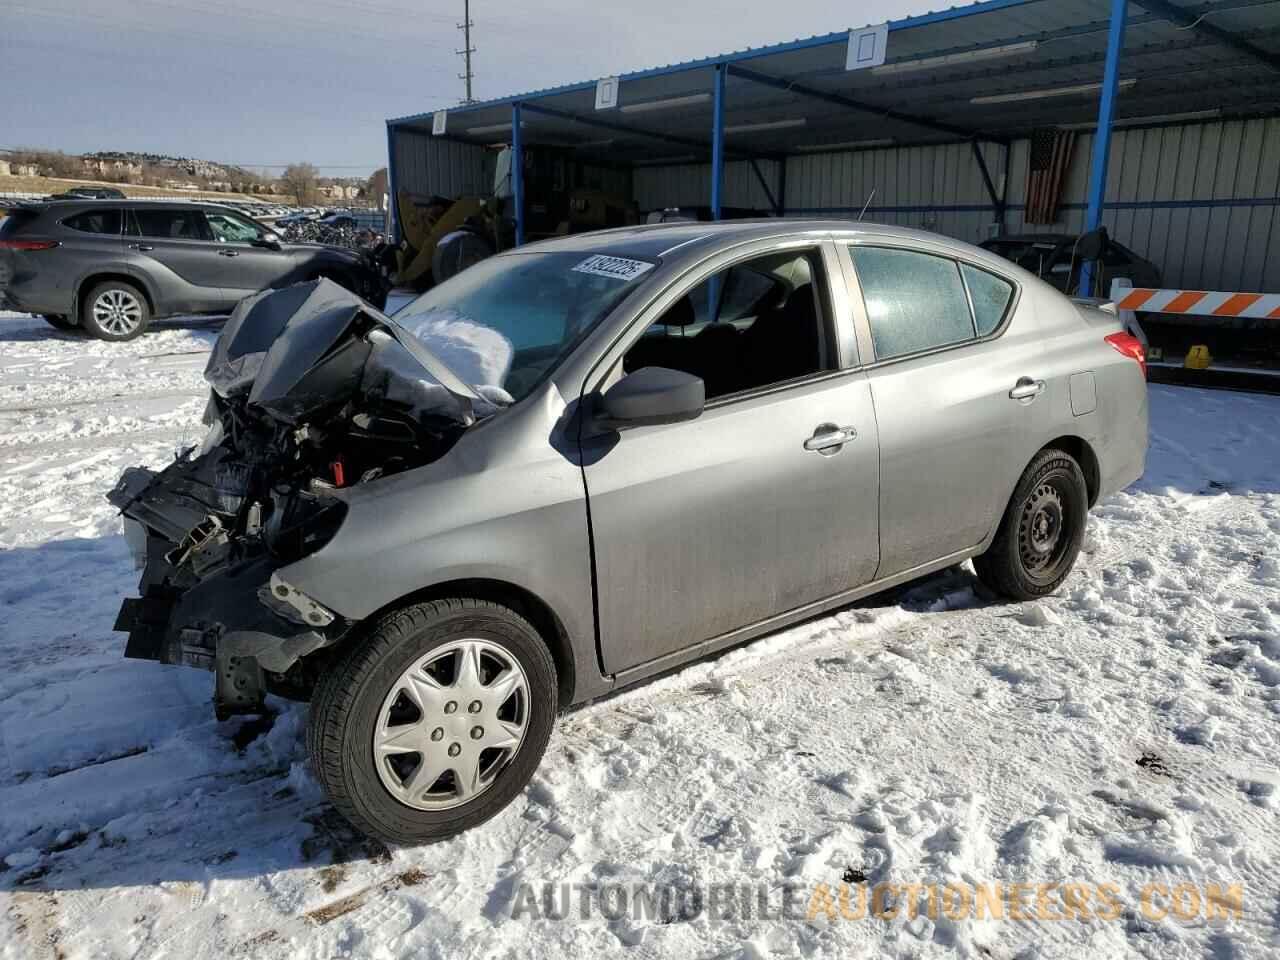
(118, 312)
(450, 724)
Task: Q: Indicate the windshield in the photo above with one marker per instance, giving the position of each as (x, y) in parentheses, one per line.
(509, 321)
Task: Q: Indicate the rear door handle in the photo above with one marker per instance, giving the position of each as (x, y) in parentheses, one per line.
(1026, 389)
(144, 247)
(228, 253)
(827, 439)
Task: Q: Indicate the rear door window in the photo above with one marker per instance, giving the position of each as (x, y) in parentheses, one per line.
(915, 301)
(95, 221)
(170, 224)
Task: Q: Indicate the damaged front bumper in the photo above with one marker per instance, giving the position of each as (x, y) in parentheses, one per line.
(242, 621)
(313, 392)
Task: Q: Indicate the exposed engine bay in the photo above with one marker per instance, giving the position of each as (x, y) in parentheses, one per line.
(314, 392)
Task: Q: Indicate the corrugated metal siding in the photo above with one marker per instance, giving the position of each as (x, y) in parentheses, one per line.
(933, 188)
(429, 165)
(1201, 201)
(689, 185)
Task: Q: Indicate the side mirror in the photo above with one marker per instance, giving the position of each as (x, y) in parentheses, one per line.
(269, 240)
(654, 395)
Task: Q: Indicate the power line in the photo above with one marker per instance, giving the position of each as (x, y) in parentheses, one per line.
(467, 49)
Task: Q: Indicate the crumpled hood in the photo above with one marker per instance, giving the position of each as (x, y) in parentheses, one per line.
(296, 349)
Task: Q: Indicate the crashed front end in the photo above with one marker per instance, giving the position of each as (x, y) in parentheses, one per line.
(313, 392)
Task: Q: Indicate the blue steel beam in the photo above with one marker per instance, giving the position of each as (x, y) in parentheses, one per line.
(393, 227)
(849, 103)
(517, 171)
(764, 185)
(997, 200)
(717, 143)
(1102, 138)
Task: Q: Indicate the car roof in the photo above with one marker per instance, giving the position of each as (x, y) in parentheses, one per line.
(654, 241)
(91, 202)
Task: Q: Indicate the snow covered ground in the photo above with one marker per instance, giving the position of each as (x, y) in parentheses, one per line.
(1124, 732)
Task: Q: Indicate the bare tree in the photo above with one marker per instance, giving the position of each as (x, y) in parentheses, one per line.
(376, 186)
(50, 163)
(300, 180)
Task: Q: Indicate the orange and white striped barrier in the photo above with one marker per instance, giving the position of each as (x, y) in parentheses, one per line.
(1201, 303)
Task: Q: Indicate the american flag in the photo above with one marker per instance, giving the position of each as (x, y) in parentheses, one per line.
(1047, 172)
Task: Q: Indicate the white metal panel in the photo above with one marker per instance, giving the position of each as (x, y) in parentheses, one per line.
(937, 188)
(428, 165)
(689, 185)
(1199, 200)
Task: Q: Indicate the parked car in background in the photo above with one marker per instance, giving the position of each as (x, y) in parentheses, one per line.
(338, 221)
(112, 267)
(90, 193)
(294, 219)
(1051, 257)
(767, 420)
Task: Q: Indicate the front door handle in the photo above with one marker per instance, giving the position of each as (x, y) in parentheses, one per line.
(228, 253)
(828, 439)
(1026, 389)
(144, 247)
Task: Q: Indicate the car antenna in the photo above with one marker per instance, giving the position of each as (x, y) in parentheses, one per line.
(866, 206)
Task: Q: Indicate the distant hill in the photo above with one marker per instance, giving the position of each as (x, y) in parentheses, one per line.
(192, 167)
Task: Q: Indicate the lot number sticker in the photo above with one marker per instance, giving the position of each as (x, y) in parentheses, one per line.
(617, 268)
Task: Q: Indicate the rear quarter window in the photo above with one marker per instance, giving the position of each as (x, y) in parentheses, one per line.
(991, 297)
(95, 221)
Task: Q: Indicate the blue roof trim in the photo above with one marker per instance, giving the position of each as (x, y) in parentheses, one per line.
(751, 53)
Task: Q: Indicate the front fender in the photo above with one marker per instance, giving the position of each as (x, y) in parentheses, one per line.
(505, 504)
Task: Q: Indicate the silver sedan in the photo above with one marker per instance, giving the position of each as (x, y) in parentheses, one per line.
(586, 461)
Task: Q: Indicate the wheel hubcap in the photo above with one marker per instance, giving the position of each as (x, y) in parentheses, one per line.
(117, 312)
(1041, 529)
(450, 724)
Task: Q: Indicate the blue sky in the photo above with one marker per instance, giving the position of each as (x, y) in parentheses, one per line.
(270, 82)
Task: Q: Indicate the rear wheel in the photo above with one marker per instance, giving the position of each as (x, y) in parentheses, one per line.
(1041, 531)
(115, 310)
(435, 721)
(61, 321)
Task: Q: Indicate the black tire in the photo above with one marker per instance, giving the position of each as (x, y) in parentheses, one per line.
(134, 303)
(61, 321)
(349, 697)
(1041, 531)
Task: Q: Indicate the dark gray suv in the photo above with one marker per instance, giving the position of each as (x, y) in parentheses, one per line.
(111, 266)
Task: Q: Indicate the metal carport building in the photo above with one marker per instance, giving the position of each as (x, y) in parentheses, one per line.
(1176, 106)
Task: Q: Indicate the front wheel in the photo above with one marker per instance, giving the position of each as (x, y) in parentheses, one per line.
(1041, 531)
(434, 721)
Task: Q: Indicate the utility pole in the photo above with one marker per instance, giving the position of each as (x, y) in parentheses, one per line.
(467, 49)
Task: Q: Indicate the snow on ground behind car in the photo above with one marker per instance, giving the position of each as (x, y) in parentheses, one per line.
(1123, 732)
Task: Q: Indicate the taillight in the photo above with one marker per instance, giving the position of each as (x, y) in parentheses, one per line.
(28, 244)
(1130, 346)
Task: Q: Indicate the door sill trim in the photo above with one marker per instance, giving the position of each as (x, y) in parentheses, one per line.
(783, 620)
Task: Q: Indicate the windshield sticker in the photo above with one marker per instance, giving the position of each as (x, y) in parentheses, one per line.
(616, 268)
